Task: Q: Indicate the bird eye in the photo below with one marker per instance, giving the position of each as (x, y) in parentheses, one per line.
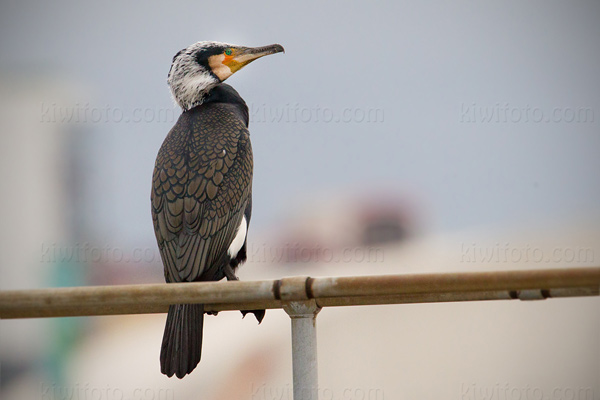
(228, 52)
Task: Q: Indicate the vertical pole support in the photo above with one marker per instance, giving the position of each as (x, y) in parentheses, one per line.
(304, 347)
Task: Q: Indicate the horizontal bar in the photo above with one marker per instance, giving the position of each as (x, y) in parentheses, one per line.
(456, 282)
(137, 299)
(328, 292)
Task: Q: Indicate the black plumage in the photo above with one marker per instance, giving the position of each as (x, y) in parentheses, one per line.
(202, 188)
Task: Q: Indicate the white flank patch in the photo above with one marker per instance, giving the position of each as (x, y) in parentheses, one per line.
(239, 239)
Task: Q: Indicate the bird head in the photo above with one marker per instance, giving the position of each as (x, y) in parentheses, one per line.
(200, 67)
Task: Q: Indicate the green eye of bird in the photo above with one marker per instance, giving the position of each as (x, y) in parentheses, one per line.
(228, 52)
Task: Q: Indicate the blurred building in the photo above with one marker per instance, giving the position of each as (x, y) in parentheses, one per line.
(39, 214)
(328, 226)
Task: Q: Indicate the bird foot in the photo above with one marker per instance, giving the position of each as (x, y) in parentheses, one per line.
(229, 274)
(259, 314)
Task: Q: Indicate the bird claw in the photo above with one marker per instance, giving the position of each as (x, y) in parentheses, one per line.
(229, 274)
(259, 314)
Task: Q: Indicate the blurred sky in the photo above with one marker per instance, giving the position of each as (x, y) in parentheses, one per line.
(430, 68)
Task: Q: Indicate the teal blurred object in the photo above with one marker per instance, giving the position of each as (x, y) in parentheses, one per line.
(65, 333)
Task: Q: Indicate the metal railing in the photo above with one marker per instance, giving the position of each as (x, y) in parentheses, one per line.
(302, 298)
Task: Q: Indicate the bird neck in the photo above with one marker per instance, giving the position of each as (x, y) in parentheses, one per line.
(191, 92)
(223, 93)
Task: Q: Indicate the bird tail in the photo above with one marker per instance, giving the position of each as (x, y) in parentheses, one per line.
(182, 340)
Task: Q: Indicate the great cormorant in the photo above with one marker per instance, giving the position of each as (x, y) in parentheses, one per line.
(202, 187)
